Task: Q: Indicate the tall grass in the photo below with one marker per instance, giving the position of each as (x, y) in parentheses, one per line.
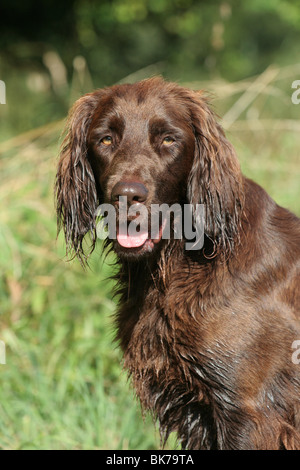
(63, 386)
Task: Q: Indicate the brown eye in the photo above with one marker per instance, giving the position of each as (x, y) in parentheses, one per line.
(107, 140)
(168, 141)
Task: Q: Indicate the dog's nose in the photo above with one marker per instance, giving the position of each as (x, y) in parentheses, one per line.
(134, 191)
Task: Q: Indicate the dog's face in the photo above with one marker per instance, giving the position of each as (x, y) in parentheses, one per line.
(152, 143)
(140, 148)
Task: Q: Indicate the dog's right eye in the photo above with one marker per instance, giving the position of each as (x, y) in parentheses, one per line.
(168, 141)
(107, 140)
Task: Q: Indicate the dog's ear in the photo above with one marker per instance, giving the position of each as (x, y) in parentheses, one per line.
(215, 179)
(76, 192)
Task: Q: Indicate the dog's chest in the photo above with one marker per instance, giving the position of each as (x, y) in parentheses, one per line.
(162, 355)
(172, 359)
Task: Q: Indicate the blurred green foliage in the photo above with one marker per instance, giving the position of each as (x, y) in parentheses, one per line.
(181, 39)
(117, 37)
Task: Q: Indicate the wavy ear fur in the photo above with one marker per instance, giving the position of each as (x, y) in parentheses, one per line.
(76, 192)
(215, 179)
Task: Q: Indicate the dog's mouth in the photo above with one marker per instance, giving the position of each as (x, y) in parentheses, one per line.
(133, 241)
(136, 239)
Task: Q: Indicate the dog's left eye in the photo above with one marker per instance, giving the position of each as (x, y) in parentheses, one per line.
(167, 141)
(107, 140)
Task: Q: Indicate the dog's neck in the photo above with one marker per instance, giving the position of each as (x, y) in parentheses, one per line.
(147, 282)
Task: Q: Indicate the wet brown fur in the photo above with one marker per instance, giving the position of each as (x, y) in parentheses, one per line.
(206, 335)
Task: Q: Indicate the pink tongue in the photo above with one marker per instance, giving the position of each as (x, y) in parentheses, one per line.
(130, 241)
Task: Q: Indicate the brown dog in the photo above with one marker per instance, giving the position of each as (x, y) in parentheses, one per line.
(207, 334)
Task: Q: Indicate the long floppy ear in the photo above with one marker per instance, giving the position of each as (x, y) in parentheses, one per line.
(76, 193)
(215, 179)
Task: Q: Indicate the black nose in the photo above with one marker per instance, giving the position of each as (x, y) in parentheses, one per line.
(134, 191)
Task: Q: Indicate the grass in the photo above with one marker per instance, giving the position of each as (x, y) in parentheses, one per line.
(63, 386)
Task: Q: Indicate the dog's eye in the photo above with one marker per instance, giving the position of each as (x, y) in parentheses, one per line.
(107, 140)
(168, 141)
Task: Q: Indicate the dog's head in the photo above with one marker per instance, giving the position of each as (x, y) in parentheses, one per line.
(140, 146)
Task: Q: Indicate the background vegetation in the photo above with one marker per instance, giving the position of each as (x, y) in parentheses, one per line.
(63, 386)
